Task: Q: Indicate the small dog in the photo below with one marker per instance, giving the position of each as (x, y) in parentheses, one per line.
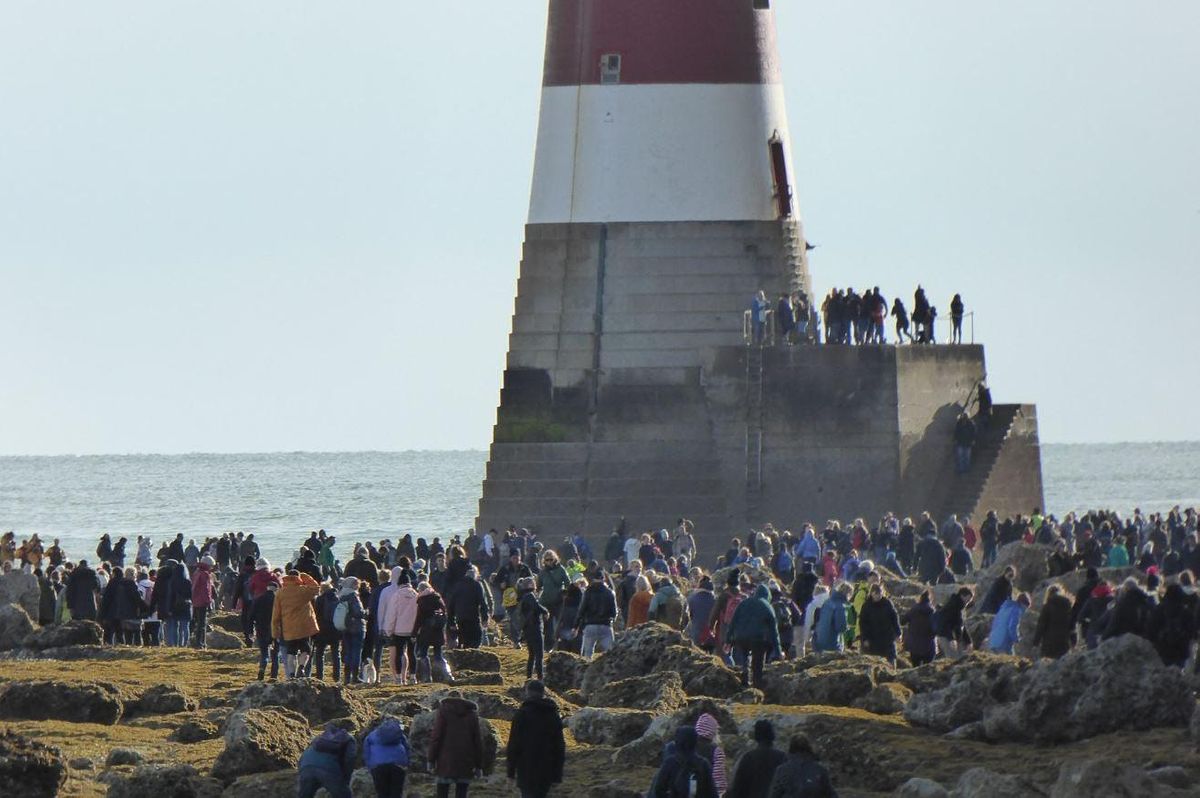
(369, 676)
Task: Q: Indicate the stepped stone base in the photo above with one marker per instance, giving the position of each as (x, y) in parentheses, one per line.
(629, 392)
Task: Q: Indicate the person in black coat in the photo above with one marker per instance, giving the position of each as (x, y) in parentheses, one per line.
(1000, 592)
(756, 768)
(879, 625)
(467, 607)
(919, 639)
(950, 628)
(804, 586)
(120, 604)
(931, 558)
(1130, 611)
(532, 615)
(82, 587)
(1172, 627)
(680, 765)
(536, 748)
(1084, 594)
(1054, 630)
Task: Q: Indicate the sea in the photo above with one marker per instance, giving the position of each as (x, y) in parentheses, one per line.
(360, 495)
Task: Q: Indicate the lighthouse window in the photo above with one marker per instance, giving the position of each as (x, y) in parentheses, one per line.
(610, 68)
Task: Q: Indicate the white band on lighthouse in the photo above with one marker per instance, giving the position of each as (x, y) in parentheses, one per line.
(657, 153)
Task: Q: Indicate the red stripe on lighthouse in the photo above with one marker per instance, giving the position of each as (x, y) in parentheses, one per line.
(661, 41)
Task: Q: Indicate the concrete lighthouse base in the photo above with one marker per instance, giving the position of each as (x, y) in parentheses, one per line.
(630, 391)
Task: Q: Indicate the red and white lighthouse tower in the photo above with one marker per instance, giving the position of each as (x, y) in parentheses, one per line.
(662, 201)
(661, 111)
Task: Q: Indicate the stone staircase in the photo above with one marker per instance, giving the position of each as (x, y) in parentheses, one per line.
(966, 490)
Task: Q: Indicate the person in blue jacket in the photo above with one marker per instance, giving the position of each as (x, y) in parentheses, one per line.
(328, 762)
(386, 754)
(1007, 624)
(832, 623)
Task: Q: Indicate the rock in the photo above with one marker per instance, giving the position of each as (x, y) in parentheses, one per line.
(361, 784)
(759, 576)
(613, 789)
(920, 788)
(93, 702)
(15, 626)
(402, 708)
(1032, 561)
(23, 590)
(831, 681)
(750, 695)
(564, 671)
(164, 781)
(848, 746)
(226, 621)
(318, 701)
(656, 692)
(941, 672)
(604, 726)
(260, 741)
(263, 785)
(195, 731)
(1111, 779)
(30, 768)
(220, 640)
(123, 756)
(1121, 685)
(885, 699)
(1172, 776)
(478, 678)
(81, 763)
(491, 705)
(66, 635)
(978, 627)
(981, 783)
(473, 659)
(163, 699)
(970, 693)
(1194, 726)
(702, 674)
(635, 653)
(421, 728)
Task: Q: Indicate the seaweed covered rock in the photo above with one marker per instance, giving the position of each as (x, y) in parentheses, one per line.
(647, 749)
(221, 640)
(66, 635)
(163, 699)
(318, 701)
(635, 653)
(983, 783)
(659, 692)
(1031, 560)
(490, 705)
(701, 674)
(1121, 685)
(942, 672)
(889, 698)
(1092, 777)
(974, 687)
(564, 671)
(473, 659)
(22, 589)
(260, 741)
(90, 702)
(828, 678)
(30, 768)
(164, 781)
(263, 785)
(15, 626)
(920, 788)
(608, 726)
(195, 730)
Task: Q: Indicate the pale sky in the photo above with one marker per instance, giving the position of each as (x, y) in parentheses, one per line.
(276, 226)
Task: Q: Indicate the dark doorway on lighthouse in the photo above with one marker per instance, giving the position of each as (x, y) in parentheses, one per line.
(783, 189)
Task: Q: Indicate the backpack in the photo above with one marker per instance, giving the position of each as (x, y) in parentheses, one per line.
(433, 626)
(341, 614)
(509, 597)
(686, 782)
(783, 614)
(730, 608)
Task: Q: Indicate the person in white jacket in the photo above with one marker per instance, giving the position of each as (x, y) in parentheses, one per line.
(397, 617)
(820, 596)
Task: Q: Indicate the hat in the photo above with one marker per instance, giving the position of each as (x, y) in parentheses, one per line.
(209, 561)
(262, 563)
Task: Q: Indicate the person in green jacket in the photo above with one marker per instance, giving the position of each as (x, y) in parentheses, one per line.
(754, 631)
(552, 580)
(325, 558)
(1118, 555)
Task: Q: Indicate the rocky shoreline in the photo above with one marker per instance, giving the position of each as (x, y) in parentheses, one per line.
(79, 719)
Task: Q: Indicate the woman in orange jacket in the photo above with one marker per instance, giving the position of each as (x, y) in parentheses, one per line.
(293, 620)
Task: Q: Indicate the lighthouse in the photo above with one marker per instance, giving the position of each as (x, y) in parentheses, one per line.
(663, 200)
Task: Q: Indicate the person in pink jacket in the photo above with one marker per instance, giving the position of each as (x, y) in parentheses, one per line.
(397, 617)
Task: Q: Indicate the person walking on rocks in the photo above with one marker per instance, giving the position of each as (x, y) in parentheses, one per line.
(328, 762)
(536, 748)
(709, 746)
(293, 620)
(82, 592)
(949, 626)
(754, 771)
(533, 617)
(386, 754)
(879, 625)
(203, 594)
(353, 616)
(455, 745)
(919, 639)
(802, 775)
(597, 612)
(260, 620)
(832, 622)
(755, 631)
(1006, 626)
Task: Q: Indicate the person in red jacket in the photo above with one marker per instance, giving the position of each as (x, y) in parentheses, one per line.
(203, 593)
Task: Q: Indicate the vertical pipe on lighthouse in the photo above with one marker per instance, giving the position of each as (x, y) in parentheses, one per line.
(661, 111)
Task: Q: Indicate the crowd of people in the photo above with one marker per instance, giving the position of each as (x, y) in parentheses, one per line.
(848, 317)
(774, 595)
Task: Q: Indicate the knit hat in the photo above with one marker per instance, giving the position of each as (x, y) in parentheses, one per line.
(706, 726)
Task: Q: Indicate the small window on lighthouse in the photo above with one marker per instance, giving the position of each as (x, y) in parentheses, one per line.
(610, 68)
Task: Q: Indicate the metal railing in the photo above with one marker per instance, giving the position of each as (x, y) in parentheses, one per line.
(770, 333)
